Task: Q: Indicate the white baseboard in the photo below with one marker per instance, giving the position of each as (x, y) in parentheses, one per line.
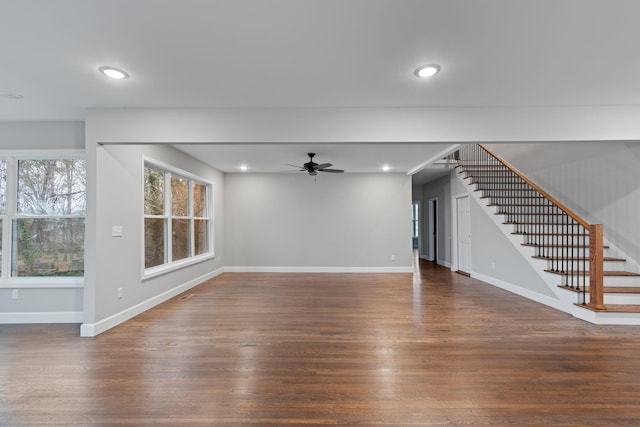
(534, 296)
(93, 329)
(41, 317)
(444, 263)
(244, 269)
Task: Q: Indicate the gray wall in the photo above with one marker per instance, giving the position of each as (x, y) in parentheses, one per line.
(440, 189)
(489, 246)
(45, 302)
(41, 135)
(494, 256)
(118, 260)
(597, 180)
(346, 221)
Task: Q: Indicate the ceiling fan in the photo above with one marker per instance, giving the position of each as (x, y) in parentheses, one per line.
(313, 168)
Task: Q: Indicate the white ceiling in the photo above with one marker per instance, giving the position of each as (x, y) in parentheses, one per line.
(315, 53)
(352, 158)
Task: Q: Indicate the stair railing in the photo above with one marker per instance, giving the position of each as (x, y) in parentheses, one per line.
(571, 246)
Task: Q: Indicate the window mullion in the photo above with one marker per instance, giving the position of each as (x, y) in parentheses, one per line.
(10, 208)
(168, 241)
(192, 234)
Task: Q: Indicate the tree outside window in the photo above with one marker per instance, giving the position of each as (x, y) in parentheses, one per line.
(176, 221)
(45, 221)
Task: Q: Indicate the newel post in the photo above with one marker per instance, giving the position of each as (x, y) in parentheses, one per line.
(596, 267)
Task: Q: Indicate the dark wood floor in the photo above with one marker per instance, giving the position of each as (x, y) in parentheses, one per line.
(327, 349)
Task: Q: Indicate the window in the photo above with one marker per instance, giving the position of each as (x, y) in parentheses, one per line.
(177, 222)
(42, 208)
(415, 220)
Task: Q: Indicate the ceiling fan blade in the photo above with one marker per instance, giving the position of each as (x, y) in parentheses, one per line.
(323, 166)
(331, 170)
(294, 166)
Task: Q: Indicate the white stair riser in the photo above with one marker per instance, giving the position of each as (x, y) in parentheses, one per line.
(584, 265)
(631, 299)
(607, 280)
(555, 240)
(548, 228)
(544, 220)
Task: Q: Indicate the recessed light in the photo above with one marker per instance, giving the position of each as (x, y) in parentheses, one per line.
(113, 73)
(10, 95)
(244, 168)
(427, 70)
(386, 168)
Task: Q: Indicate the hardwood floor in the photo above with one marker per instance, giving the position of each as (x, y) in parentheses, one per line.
(327, 349)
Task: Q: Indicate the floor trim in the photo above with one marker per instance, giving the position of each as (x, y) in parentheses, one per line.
(41, 317)
(93, 329)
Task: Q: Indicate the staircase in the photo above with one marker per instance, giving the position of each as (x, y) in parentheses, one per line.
(596, 285)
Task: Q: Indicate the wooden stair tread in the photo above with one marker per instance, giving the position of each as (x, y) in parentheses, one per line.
(540, 223)
(523, 204)
(530, 214)
(512, 197)
(610, 273)
(551, 245)
(607, 289)
(612, 308)
(611, 259)
(523, 233)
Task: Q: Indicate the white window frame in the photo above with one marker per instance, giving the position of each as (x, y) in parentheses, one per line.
(171, 265)
(12, 158)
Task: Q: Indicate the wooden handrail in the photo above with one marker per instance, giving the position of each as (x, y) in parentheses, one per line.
(566, 210)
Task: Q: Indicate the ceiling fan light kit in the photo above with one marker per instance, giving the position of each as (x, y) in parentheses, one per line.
(312, 168)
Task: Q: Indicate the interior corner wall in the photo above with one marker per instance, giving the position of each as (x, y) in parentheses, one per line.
(295, 222)
(438, 189)
(118, 261)
(597, 180)
(37, 304)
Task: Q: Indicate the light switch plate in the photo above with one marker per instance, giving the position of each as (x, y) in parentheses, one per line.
(116, 231)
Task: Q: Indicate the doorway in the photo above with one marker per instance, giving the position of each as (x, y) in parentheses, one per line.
(433, 230)
(463, 235)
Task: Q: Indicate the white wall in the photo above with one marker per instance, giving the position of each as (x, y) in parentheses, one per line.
(47, 302)
(597, 180)
(293, 222)
(362, 125)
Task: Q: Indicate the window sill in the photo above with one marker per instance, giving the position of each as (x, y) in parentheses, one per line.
(41, 282)
(152, 272)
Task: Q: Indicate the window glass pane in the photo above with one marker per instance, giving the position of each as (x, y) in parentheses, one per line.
(180, 239)
(201, 235)
(179, 196)
(3, 185)
(51, 187)
(153, 192)
(199, 200)
(48, 247)
(154, 232)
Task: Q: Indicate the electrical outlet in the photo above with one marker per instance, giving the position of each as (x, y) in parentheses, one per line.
(119, 293)
(393, 257)
(15, 293)
(493, 265)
